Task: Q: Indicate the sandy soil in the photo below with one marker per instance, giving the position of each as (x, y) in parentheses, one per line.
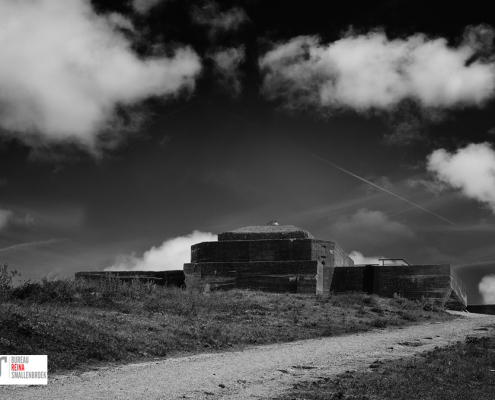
(255, 373)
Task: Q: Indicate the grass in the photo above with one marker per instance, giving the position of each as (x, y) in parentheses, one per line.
(82, 323)
(461, 371)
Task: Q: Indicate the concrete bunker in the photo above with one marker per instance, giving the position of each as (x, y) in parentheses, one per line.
(162, 278)
(284, 258)
(287, 259)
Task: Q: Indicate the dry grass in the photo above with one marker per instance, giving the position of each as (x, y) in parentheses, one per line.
(81, 322)
(462, 371)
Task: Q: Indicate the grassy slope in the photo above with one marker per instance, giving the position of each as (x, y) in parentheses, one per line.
(462, 371)
(81, 323)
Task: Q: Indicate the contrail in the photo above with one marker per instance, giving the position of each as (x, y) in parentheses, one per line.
(340, 168)
(444, 197)
(374, 185)
(475, 263)
(30, 244)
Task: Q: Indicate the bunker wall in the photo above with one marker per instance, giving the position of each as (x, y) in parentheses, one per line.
(252, 250)
(172, 278)
(413, 281)
(271, 276)
(437, 282)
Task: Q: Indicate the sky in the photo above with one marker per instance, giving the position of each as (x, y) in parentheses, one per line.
(130, 130)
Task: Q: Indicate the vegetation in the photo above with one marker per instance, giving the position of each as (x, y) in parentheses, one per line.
(461, 371)
(6, 281)
(78, 322)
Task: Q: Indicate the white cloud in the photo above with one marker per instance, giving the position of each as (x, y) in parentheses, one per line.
(227, 63)
(359, 258)
(6, 216)
(144, 6)
(171, 255)
(480, 38)
(470, 169)
(210, 16)
(371, 72)
(430, 186)
(487, 289)
(64, 69)
(121, 22)
(371, 227)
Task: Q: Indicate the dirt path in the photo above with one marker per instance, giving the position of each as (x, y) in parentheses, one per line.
(259, 372)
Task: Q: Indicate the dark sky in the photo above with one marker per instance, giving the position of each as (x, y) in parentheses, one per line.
(112, 144)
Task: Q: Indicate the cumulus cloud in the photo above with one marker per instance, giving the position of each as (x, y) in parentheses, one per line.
(470, 169)
(121, 22)
(372, 227)
(359, 258)
(217, 21)
(479, 38)
(171, 255)
(66, 70)
(144, 6)
(226, 64)
(7, 218)
(429, 186)
(372, 72)
(487, 289)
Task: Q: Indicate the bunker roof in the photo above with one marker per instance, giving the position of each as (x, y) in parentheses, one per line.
(266, 232)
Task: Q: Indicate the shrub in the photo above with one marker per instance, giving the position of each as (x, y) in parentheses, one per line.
(425, 304)
(408, 315)
(379, 322)
(6, 281)
(430, 305)
(404, 303)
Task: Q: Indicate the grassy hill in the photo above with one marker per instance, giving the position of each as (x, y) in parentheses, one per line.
(81, 323)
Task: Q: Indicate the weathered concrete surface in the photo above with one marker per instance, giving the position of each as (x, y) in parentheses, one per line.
(273, 276)
(330, 258)
(437, 282)
(353, 279)
(266, 232)
(172, 278)
(276, 265)
(252, 250)
(270, 250)
(257, 373)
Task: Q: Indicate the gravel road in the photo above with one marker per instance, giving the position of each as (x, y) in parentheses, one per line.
(258, 372)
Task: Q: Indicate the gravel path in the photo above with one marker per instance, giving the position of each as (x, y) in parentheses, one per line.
(258, 372)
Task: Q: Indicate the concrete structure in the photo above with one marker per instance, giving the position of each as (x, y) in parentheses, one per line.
(272, 258)
(284, 258)
(172, 278)
(438, 282)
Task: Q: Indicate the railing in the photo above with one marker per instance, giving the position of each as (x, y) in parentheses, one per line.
(458, 286)
(393, 261)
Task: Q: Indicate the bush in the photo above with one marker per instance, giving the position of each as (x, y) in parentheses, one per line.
(52, 291)
(431, 305)
(379, 322)
(6, 280)
(424, 304)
